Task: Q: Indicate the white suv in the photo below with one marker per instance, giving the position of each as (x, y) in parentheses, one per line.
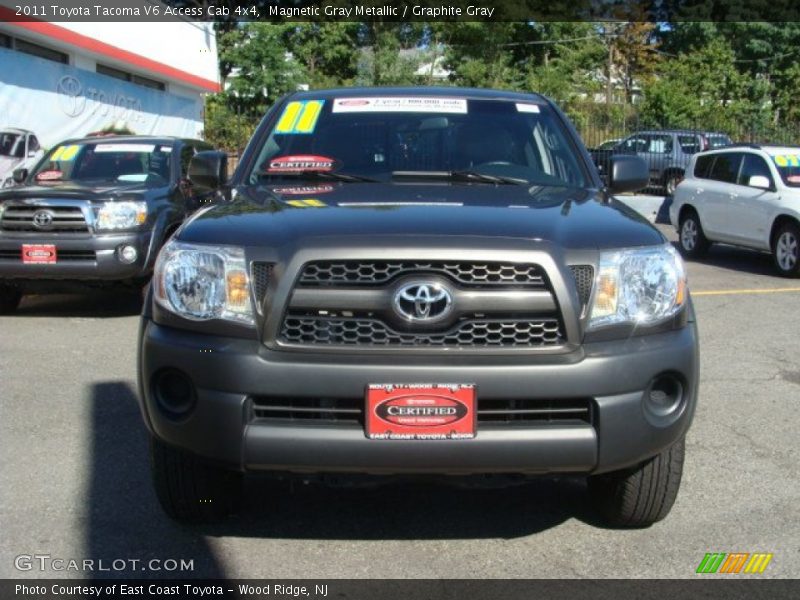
(747, 195)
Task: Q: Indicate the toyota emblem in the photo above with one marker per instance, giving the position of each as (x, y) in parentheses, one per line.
(43, 219)
(423, 302)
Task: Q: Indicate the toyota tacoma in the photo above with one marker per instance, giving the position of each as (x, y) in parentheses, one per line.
(93, 211)
(418, 281)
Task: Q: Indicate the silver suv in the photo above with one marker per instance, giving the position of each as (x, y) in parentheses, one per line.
(667, 153)
(743, 195)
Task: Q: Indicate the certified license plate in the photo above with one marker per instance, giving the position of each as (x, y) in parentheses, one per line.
(39, 254)
(420, 412)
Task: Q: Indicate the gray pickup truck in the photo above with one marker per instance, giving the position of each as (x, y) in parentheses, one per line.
(418, 281)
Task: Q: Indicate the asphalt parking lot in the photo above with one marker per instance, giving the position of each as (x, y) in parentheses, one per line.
(74, 481)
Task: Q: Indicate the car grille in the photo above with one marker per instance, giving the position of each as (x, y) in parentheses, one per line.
(65, 219)
(349, 303)
(490, 411)
(379, 272)
(319, 330)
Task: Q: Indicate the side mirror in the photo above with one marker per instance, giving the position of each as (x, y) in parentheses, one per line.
(627, 174)
(208, 170)
(31, 153)
(759, 181)
(20, 175)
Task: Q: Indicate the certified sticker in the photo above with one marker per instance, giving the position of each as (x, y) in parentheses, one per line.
(49, 175)
(300, 162)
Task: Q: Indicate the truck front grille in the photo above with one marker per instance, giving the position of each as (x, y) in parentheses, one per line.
(58, 219)
(380, 272)
(491, 411)
(338, 331)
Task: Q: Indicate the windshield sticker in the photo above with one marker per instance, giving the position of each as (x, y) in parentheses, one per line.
(300, 117)
(65, 153)
(787, 160)
(124, 148)
(528, 108)
(50, 175)
(307, 203)
(793, 179)
(400, 104)
(304, 190)
(300, 162)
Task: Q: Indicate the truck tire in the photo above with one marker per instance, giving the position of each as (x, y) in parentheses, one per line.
(189, 489)
(9, 300)
(786, 250)
(642, 495)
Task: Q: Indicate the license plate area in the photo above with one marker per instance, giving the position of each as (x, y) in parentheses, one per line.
(420, 411)
(39, 254)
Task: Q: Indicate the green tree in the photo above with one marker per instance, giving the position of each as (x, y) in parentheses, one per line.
(327, 51)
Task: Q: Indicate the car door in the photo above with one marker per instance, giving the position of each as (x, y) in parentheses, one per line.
(751, 208)
(716, 192)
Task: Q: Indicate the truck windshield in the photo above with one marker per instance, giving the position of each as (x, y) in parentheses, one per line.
(106, 161)
(787, 160)
(374, 137)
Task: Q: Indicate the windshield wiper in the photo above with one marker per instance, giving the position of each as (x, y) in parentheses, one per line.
(460, 176)
(327, 175)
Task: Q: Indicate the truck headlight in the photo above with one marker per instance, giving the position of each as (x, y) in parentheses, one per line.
(121, 215)
(643, 286)
(201, 283)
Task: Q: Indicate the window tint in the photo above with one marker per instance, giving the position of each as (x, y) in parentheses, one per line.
(33, 144)
(751, 166)
(689, 143)
(726, 167)
(703, 166)
(636, 144)
(187, 152)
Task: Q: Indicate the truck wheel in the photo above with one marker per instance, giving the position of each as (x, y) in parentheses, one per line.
(9, 300)
(692, 242)
(191, 490)
(786, 250)
(642, 495)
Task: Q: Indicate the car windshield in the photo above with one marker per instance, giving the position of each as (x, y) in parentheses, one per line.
(106, 161)
(382, 137)
(787, 160)
(718, 141)
(11, 144)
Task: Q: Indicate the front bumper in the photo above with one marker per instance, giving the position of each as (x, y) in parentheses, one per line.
(85, 257)
(228, 373)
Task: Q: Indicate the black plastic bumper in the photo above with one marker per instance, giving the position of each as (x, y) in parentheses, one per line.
(103, 265)
(227, 372)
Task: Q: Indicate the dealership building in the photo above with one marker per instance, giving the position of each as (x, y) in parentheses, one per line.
(67, 79)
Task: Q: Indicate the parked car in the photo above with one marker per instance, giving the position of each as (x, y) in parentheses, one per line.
(667, 153)
(418, 280)
(94, 211)
(746, 195)
(19, 148)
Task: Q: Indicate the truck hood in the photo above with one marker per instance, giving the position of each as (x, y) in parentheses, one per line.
(73, 191)
(276, 215)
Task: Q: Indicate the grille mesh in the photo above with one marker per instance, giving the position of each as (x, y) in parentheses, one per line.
(584, 280)
(260, 275)
(380, 272)
(336, 331)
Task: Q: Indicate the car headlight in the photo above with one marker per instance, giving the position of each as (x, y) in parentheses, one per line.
(201, 283)
(121, 215)
(643, 286)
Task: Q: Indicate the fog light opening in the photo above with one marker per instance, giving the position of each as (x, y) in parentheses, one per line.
(664, 397)
(174, 392)
(127, 254)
